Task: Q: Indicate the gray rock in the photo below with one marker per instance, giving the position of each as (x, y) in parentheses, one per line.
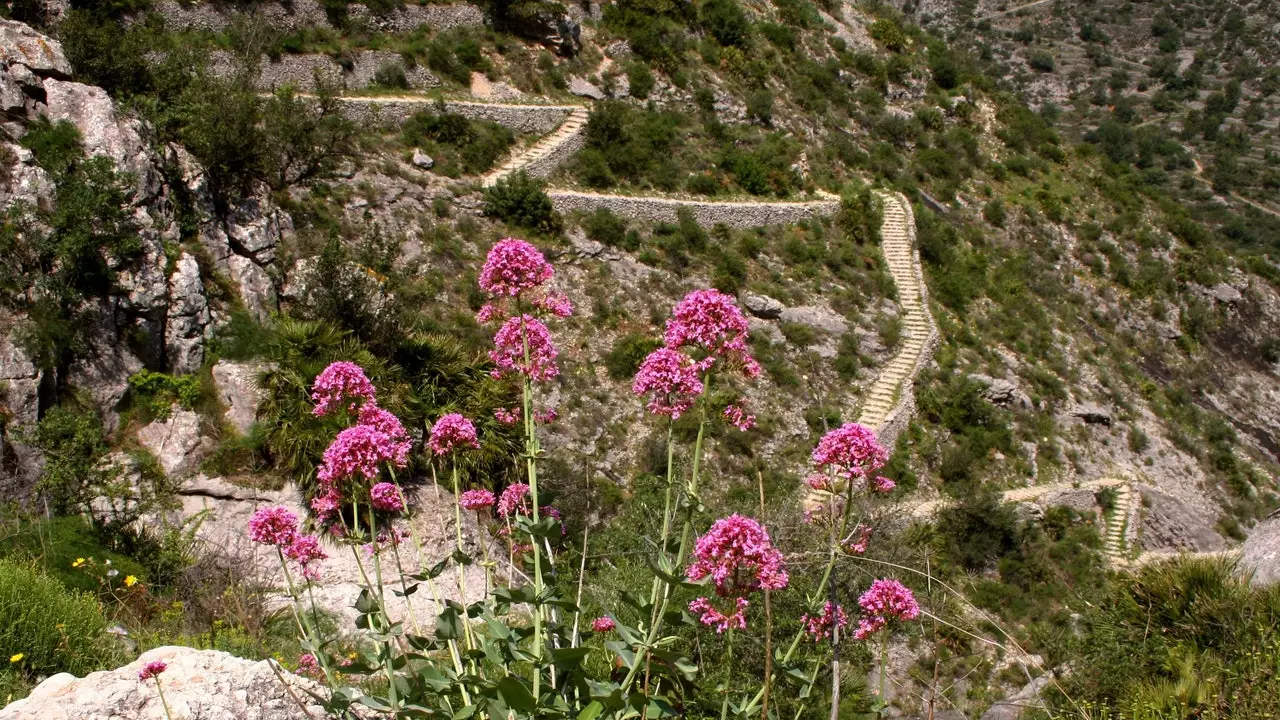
(1092, 414)
(255, 226)
(1013, 707)
(104, 371)
(763, 306)
(237, 384)
(102, 131)
(1171, 524)
(197, 683)
(174, 441)
(189, 317)
(1225, 294)
(20, 393)
(255, 286)
(579, 86)
(20, 45)
(1261, 553)
(999, 391)
(423, 160)
(817, 318)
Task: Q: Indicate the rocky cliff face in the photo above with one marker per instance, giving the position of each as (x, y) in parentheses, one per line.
(163, 311)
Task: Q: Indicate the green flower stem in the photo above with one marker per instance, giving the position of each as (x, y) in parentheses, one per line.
(884, 661)
(457, 566)
(163, 703)
(821, 591)
(728, 683)
(666, 519)
(686, 533)
(310, 631)
(531, 465)
(382, 605)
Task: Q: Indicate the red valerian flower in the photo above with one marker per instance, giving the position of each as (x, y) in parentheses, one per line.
(477, 500)
(737, 416)
(273, 526)
(710, 320)
(360, 450)
(514, 500)
(513, 267)
(885, 600)
(152, 670)
(852, 450)
(510, 342)
(385, 496)
(738, 556)
(670, 379)
(711, 616)
(452, 433)
(603, 624)
(823, 625)
(342, 384)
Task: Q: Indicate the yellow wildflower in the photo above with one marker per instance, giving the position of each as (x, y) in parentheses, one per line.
(77, 563)
(130, 581)
(15, 658)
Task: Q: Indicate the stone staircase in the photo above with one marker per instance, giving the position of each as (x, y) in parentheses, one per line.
(890, 392)
(1117, 520)
(543, 156)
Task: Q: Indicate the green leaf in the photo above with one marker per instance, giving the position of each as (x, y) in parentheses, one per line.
(448, 624)
(570, 656)
(623, 651)
(592, 711)
(516, 695)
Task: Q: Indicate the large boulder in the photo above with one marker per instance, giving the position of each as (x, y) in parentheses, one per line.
(175, 441)
(188, 322)
(237, 384)
(1261, 553)
(197, 684)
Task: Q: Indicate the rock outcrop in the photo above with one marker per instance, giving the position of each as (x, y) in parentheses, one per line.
(197, 684)
(1261, 553)
(237, 384)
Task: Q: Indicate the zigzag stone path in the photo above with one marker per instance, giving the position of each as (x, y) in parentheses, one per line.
(543, 157)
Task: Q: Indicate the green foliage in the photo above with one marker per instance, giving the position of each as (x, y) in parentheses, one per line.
(639, 80)
(760, 107)
(522, 201)
(655, 29)
(456, 54)
(62, 256)
(624, 358)
(634, 145)
(56, 544)
(157, 392)
(55, 629)
(604, 226)
(1041, 61)
(889, 33)
(458, 145)
(725, 20)
(1185, 638)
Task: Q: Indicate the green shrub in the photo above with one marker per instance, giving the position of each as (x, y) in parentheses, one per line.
(760, 107)
(725, 20)
(889, 33)
(156, 392)
(604, 226)
(994, 212)
(624, 358)
(56, 544)
(54, 629)
(391, 75)
(521, 200)
(458, 145)
(639, 80)
(1041, 61)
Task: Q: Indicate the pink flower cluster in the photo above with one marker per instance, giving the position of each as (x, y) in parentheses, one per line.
(386, 539)
(361, 450)
(342, 384)
(738, 417)
(305, 550)
(507, 416)
(670, 379)
(452, 433)
(852, 451)
(385, 496)
(152, 670)
(738, 556)
(308, 666)
(514, 500)
(823, 625)
(514, 267)
(603, 624)
(710, 320)
(477, 500)
(273, 526)
(885, 600)
(384, 422)
(857, 546)
(509, 352)
(709, 615)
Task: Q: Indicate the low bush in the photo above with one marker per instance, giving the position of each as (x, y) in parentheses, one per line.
(51, 628)
(458, 146)
(624, 358)
(521, 200)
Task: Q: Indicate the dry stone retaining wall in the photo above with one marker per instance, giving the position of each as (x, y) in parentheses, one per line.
(301, 14)
(300, 70)
(732, 214)
(393, 111)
